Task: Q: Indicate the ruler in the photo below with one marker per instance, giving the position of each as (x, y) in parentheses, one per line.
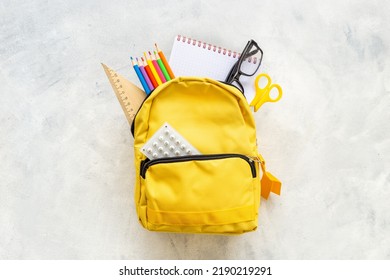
(129, 95)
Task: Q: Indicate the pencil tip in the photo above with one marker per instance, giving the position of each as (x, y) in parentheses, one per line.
(150, 53)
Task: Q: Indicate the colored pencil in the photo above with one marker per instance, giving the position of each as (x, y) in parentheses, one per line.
(154, 72)
(145, 75)
(140, 77)
(157, 67)
(149, 72)
(161, 64)
(164, 60)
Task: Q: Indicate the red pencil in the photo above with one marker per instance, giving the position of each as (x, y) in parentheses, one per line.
(149, 72)
(157, 67)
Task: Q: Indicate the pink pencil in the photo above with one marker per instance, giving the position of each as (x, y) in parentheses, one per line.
(158, 69)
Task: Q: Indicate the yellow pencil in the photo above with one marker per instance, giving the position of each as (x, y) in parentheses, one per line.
(154, 72)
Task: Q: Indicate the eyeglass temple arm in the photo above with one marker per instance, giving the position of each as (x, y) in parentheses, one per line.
(253, 53)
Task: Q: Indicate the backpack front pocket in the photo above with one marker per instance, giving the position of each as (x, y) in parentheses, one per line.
(216, 189)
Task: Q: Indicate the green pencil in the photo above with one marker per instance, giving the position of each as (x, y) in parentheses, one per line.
(163, 69)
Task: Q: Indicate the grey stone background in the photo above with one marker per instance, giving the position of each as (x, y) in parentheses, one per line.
(67, 171)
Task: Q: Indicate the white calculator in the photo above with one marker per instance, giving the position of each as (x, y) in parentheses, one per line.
(167, 142)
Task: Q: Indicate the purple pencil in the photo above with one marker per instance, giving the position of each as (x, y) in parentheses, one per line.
(146, 77)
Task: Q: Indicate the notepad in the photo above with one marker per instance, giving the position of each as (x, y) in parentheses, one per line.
(190, 57)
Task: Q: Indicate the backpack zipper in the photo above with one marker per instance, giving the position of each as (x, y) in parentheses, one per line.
(225, 83)
(145, 164)
(133, 122)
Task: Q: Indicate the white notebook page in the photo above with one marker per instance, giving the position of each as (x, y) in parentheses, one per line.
(194, 58)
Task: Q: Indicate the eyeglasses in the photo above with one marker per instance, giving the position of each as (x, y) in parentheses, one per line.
(244, 65)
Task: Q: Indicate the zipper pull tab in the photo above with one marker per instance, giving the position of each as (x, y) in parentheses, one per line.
(260, 160)
(255, 159)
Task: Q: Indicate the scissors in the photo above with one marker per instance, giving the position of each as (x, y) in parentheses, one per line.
(263, 94)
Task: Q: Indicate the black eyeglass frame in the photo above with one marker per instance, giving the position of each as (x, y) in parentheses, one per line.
(235, 73)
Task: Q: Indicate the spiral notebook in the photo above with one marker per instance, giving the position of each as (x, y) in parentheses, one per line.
(190, 57)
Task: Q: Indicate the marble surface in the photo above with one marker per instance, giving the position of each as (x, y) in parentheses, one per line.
(66, 171)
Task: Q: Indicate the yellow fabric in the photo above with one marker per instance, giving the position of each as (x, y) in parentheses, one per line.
(209, 195)
(200, 218)
(269, 183)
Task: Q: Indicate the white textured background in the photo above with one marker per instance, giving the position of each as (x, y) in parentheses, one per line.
(66, 159)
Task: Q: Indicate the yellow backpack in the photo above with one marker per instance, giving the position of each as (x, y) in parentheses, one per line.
(217, 191)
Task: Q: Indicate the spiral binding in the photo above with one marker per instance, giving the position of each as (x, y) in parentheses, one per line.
(213, 48)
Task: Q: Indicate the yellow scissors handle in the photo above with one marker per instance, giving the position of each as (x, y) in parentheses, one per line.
(263, 94)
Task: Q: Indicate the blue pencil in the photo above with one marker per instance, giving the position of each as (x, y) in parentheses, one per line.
(140, 77)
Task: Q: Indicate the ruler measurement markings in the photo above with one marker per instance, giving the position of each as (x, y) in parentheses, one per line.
(129, 96)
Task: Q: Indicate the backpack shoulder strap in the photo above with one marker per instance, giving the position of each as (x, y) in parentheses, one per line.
(269, 183)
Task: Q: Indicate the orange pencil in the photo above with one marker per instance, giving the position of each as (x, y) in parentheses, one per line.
(150, 75)
(165, 62)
